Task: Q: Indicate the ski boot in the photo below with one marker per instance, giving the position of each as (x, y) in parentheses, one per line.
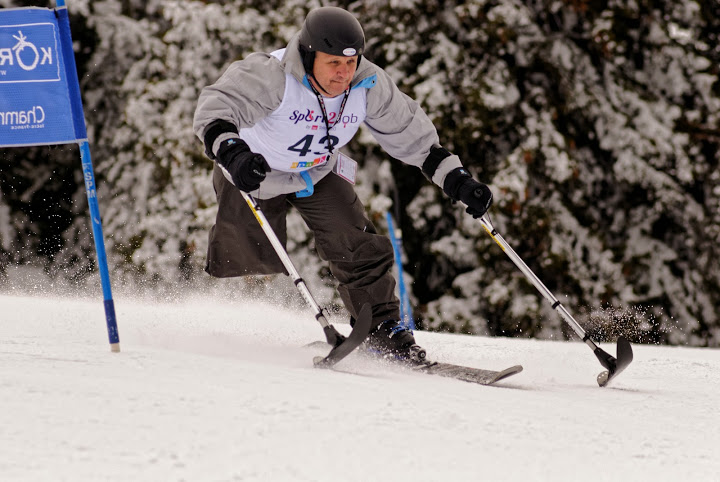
(394, 341)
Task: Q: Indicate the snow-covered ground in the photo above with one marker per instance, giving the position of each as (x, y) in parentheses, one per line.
(205, 390)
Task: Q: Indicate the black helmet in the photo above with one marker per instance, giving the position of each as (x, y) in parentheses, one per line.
(333, 31)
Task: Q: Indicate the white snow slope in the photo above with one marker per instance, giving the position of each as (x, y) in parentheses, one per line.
(209, 391)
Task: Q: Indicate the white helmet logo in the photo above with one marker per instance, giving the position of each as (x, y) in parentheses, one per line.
(349, 52)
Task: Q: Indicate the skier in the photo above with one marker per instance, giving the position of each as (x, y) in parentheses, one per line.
(274, 124)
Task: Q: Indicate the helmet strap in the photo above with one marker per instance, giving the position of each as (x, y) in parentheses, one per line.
(317, 82)
(308, 59)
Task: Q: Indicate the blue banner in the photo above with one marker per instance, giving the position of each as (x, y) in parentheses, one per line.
(39, 91)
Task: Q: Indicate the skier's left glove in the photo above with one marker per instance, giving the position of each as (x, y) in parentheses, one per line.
(460, 186)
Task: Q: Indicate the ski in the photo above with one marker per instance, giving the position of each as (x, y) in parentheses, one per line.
(360, 331)
(480, 376)
(465, 373)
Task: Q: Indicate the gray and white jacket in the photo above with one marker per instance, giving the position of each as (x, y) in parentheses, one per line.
(253, 88)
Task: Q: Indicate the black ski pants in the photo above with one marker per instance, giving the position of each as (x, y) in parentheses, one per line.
(359, 258)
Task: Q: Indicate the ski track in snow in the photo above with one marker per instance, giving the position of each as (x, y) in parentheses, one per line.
(206, 390)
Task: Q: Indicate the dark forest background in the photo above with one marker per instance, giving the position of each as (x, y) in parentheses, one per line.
(594, 122)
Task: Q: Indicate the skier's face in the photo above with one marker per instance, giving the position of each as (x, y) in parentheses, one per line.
(334, 72)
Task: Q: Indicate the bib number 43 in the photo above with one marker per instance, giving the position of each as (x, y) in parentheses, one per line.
(305, 145)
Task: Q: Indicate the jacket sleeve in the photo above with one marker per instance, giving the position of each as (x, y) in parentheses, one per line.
(248, 91)
(403, 129)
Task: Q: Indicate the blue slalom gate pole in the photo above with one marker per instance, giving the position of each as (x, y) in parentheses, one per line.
(88, 172)
(99, 246)
(405, 307)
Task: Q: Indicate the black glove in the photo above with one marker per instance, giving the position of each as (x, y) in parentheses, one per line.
(460, 186)
(246, 168)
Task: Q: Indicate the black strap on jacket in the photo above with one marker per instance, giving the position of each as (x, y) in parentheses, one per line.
(325, 114)
(215, 130)
(433, 160)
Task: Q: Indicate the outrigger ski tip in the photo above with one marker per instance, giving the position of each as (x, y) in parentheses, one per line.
(342, 349)
(614, 365)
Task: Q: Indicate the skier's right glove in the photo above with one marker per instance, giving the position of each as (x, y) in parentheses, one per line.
(460, 186)
(246, 168)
